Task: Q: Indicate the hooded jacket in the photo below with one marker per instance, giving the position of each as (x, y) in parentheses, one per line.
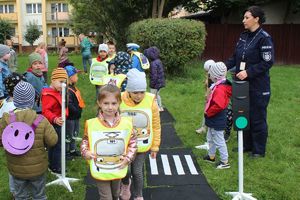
(215, 116)
(34, 162)
(157, 76)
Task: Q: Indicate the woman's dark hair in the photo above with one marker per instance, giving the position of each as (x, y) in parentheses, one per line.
(257, 12)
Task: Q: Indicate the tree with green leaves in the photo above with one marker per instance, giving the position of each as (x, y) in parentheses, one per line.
(32, 33)
(5, 30)
(111, 18)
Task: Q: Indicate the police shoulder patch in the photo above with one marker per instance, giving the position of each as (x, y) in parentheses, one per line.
(267, 56)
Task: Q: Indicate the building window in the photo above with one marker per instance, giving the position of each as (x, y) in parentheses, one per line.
(63, 32)
(32, 8)
(61, 7)
(7, 8)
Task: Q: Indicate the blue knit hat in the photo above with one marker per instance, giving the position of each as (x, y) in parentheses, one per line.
(71, 70)
(132, 46)
(23, 95)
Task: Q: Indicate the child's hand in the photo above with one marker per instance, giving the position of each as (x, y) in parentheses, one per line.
(89, 155)
(153, 154)
(59, 121)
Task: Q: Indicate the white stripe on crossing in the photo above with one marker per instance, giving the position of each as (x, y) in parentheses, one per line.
(153, 166)
(178, 165)
(166, 164)
(191, 165)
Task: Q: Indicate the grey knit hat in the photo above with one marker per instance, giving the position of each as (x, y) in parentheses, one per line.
(4, 50)
(103, 47)
(217, 71)
(136, 81)
(208, 64)
(23, 95)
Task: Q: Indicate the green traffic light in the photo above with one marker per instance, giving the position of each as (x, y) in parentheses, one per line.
(241, 122)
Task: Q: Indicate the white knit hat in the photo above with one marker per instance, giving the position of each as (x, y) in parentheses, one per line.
(208, 64)
(136, 81)
(217, 71)
(103, 47)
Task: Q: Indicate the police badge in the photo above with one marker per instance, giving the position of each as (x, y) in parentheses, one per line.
(267, 56)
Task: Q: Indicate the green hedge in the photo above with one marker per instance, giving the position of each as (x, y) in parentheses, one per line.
(179, 40)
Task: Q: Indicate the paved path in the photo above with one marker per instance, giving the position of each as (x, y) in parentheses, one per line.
(173, 175)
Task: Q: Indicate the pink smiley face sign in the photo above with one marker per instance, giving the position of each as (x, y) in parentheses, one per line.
(18, 138)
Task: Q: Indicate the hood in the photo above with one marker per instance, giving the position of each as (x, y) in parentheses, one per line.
(152, 53)
(122, 58)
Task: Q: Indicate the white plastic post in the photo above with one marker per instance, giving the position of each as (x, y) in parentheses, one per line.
(62, 179)
(240, 195)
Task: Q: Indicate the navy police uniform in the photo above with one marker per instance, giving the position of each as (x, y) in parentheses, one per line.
(256, 51)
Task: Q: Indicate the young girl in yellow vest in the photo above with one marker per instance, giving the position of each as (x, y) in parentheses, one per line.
(99, 67)
(141, 105)
(109, 143)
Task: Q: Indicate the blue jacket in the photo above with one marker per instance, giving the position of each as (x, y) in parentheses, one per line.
(258, 50)
(38, 84)
(4, 72)
(157, 76)
(136, 63)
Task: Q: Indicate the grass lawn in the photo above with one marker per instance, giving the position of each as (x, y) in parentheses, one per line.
(274, 177)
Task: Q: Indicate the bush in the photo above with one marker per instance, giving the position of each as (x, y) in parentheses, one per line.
(179, 40)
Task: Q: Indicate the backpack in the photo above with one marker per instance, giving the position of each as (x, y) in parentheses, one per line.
(143, 60)
(18, 137)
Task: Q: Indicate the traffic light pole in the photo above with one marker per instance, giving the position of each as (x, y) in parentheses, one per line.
(240, 195)
(240, 105)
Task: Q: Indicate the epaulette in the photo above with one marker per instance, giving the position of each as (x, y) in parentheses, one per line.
(265, 34)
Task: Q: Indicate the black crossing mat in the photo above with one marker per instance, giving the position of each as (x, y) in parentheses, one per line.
(175, 178)
(169, 139)
(184, 192)
(166, 117)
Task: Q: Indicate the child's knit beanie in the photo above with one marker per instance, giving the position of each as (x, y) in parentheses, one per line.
(136, 81)
(23, 95)
(59, 73)
(217, 71)
(103, 47)
(34, 57)
(4, 50)
(208, 64)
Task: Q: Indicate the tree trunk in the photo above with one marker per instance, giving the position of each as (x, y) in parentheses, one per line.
(161, 8)
(154, 8)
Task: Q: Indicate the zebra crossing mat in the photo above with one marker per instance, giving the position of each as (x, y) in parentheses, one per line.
(166, 117)
(188, 192)
(173, 167)
(169, 139)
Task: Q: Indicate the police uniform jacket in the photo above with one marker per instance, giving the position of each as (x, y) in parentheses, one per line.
(257, 51)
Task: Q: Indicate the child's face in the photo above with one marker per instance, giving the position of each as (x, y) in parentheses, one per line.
(73, 79)
(6, 57)
(9, 44)
(112, 68)
(36, 65)
(102, 54)
(109, 105)
(56, 84)
(137, 97)
(111, 49)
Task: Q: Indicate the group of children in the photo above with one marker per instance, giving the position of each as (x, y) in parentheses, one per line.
(217, 113)
(115, 143)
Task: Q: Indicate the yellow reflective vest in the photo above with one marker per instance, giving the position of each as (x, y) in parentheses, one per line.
(108, 144)
(116, 80)
(143, 59)
(98, 70)
(142, 121)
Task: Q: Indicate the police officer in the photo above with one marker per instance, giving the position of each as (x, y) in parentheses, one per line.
(253, 58)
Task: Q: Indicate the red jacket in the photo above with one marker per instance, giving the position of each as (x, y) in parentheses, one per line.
(220, 99)
(51, 104)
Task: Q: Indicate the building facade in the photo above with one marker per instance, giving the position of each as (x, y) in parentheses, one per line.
(51, 16)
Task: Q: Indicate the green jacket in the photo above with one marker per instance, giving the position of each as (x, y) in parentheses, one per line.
(34, 162)
(86, 46)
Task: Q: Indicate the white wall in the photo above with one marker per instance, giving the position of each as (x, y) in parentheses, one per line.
(26, 18)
